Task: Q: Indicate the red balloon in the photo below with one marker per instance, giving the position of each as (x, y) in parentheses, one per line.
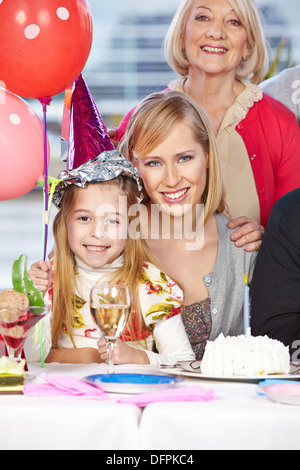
(44, 45)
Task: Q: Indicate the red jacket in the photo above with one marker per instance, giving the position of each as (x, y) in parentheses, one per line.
(271, 135)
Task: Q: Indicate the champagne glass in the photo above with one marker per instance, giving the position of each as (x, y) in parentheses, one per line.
(110, 308)
(15, 325)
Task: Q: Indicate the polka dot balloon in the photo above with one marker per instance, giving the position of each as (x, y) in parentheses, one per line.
(44, 45)
(21, 147)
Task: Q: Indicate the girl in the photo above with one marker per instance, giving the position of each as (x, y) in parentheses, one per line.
(173, 146)
(91, 243)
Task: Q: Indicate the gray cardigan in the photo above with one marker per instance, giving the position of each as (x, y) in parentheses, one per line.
(226, 284)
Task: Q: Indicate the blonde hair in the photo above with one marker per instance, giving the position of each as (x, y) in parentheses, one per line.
(155, 118)
(65, 264)
(256, 65)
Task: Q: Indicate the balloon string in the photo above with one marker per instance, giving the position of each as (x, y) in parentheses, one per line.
(45, 102)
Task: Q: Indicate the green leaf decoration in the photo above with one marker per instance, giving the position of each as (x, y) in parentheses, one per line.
(159, 317)
(163, 277)
(77, 321)
(160, 308)
(145, 278)
(79, 302)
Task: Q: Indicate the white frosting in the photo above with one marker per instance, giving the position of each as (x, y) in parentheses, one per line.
(245, 356)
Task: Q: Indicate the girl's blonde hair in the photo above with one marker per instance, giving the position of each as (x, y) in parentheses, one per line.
(155, 118)
(65, 264)
(256, 65)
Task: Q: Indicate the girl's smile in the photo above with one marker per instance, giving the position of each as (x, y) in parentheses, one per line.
(95, 249)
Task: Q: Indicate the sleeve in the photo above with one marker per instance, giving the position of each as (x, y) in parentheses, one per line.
(124, 123)
(284, 87)
(275, 293)
(288, 171)
(123, 126)
(172, 343)
(161, 301)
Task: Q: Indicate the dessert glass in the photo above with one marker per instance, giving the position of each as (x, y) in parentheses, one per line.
(15, 325)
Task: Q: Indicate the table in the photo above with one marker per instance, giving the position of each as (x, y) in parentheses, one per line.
(237, 419)
(67, 423)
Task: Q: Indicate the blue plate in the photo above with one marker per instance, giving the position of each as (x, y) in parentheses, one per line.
(132, 383)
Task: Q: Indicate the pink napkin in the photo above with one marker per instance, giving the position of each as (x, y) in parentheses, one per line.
(57, 386)
(191, 393)
(284, 389)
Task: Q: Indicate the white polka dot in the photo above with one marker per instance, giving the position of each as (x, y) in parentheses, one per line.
(32, 31)
(14, 119)
(1, 1)
(63, 13)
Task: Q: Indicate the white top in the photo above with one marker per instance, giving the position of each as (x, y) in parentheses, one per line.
(160, 299)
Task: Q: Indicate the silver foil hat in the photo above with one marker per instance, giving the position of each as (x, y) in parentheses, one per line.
(107, 166)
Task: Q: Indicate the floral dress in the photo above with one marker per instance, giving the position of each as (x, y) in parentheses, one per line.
(162, 336)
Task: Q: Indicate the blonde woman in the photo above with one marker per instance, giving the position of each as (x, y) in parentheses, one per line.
(219, 51)
(172, 144)
(91, 244)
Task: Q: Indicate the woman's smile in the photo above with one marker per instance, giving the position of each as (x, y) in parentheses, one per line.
(178, 196)
(212, 49)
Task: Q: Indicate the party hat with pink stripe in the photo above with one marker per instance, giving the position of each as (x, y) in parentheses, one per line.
(88, 136)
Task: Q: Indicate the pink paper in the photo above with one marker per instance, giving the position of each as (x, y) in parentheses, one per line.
(191, 393)
(56, 386)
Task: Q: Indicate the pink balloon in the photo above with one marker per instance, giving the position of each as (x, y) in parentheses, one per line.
(21, 147)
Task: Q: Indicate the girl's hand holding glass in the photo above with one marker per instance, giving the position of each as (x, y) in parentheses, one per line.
(122, 353)
(110, 308)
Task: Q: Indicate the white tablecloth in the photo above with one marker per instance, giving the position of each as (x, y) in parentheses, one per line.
(238, 418)
(67, 423)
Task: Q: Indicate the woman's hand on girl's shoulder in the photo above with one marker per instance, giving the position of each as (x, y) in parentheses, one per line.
(249, 233)
(41, 274)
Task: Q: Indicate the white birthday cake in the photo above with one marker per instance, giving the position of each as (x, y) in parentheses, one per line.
(245, 356)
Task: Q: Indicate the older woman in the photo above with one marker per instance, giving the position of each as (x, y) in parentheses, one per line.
(219, 50)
